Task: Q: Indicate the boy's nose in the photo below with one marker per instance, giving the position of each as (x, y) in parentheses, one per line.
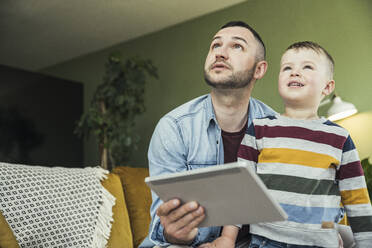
(295, 73)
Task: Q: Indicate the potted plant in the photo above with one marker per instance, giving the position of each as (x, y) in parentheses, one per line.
(114, 106)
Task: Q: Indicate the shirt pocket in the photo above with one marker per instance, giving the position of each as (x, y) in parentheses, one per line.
(197, 165)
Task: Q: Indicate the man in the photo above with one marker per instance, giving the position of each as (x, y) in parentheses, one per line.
(206, 131)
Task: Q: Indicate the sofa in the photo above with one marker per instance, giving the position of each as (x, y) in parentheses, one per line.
(130, 213)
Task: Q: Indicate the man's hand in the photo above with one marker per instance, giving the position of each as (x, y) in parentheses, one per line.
(180, 222)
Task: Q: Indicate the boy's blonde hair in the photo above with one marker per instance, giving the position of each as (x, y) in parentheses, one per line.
(316, 48)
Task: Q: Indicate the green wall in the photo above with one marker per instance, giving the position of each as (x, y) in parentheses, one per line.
(343, 27)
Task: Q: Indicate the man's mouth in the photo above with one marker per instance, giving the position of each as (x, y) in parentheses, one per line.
(220, 65)
(295, 84)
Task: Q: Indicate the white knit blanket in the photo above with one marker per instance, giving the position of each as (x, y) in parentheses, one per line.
(56, 207)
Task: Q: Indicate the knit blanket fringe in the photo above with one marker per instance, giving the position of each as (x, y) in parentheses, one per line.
(105, 216)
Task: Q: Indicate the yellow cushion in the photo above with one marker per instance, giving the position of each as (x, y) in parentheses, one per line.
(7, 238)
(121, 234)
(138, 199)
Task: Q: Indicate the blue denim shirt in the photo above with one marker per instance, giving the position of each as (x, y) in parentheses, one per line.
(184, 139)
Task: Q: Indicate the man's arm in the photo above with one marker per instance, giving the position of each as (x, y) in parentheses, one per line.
(171, 221)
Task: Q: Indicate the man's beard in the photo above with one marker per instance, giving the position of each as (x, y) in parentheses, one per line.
(235, 81)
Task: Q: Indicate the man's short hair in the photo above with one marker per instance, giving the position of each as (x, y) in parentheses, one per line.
(316, 48)
(261, 53)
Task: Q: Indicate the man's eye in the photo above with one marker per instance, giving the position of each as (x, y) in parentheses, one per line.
(237, 46)
(308, 67)
(215, 45)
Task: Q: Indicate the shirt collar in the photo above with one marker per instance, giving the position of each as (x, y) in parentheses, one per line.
(211, 117)
(209, 109)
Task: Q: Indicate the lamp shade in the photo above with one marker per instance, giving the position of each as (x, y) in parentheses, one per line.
(340, 109)
(360, 129)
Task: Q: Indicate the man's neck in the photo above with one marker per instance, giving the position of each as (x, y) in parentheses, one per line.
(231, 107)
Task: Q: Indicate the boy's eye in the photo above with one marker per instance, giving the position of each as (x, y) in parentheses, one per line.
(286, 68)
(308, 67)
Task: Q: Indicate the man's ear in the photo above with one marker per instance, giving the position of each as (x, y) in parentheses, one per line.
(260, 70)
(328, 89)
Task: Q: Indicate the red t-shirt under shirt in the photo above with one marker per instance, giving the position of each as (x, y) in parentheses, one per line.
(231, 143)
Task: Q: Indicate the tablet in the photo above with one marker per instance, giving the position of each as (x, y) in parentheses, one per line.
(230, 193)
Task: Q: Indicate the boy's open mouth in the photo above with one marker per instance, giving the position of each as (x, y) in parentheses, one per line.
(295, 84)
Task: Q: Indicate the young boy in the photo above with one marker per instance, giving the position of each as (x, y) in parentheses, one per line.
(309, 164)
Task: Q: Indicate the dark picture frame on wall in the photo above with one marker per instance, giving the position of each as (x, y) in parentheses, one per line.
(38, 114)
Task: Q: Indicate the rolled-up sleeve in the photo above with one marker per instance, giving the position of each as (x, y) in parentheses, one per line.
(167, 154)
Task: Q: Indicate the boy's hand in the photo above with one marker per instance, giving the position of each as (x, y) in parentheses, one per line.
(340, 242)
(221, 242)
(226, 240)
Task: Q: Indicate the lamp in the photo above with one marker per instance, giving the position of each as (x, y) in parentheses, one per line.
(358, 125)
(360, 129)
(339, 109)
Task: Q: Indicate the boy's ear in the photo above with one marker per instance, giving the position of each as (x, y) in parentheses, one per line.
(260, 70)
(328, 89)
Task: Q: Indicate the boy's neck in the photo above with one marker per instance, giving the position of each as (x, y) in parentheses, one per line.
(301, 114)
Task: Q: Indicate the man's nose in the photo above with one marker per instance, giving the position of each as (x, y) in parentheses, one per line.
(222, 53)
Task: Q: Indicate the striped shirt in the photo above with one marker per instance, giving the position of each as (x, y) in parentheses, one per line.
(309, 167)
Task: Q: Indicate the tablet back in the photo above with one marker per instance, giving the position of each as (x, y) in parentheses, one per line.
(230, 193)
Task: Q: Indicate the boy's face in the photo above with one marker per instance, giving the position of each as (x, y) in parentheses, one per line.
(304, 78)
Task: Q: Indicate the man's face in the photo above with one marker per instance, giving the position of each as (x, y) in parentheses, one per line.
(231, 59)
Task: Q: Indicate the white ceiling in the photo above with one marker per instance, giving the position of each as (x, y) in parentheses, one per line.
(35, 34)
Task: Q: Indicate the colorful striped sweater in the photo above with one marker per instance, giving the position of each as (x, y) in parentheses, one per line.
(309, 166)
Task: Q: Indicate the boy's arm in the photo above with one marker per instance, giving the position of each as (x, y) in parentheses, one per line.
(226, 240)
(230, 232)
(354, 195)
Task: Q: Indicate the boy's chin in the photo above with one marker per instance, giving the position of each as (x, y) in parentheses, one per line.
(295, 102)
